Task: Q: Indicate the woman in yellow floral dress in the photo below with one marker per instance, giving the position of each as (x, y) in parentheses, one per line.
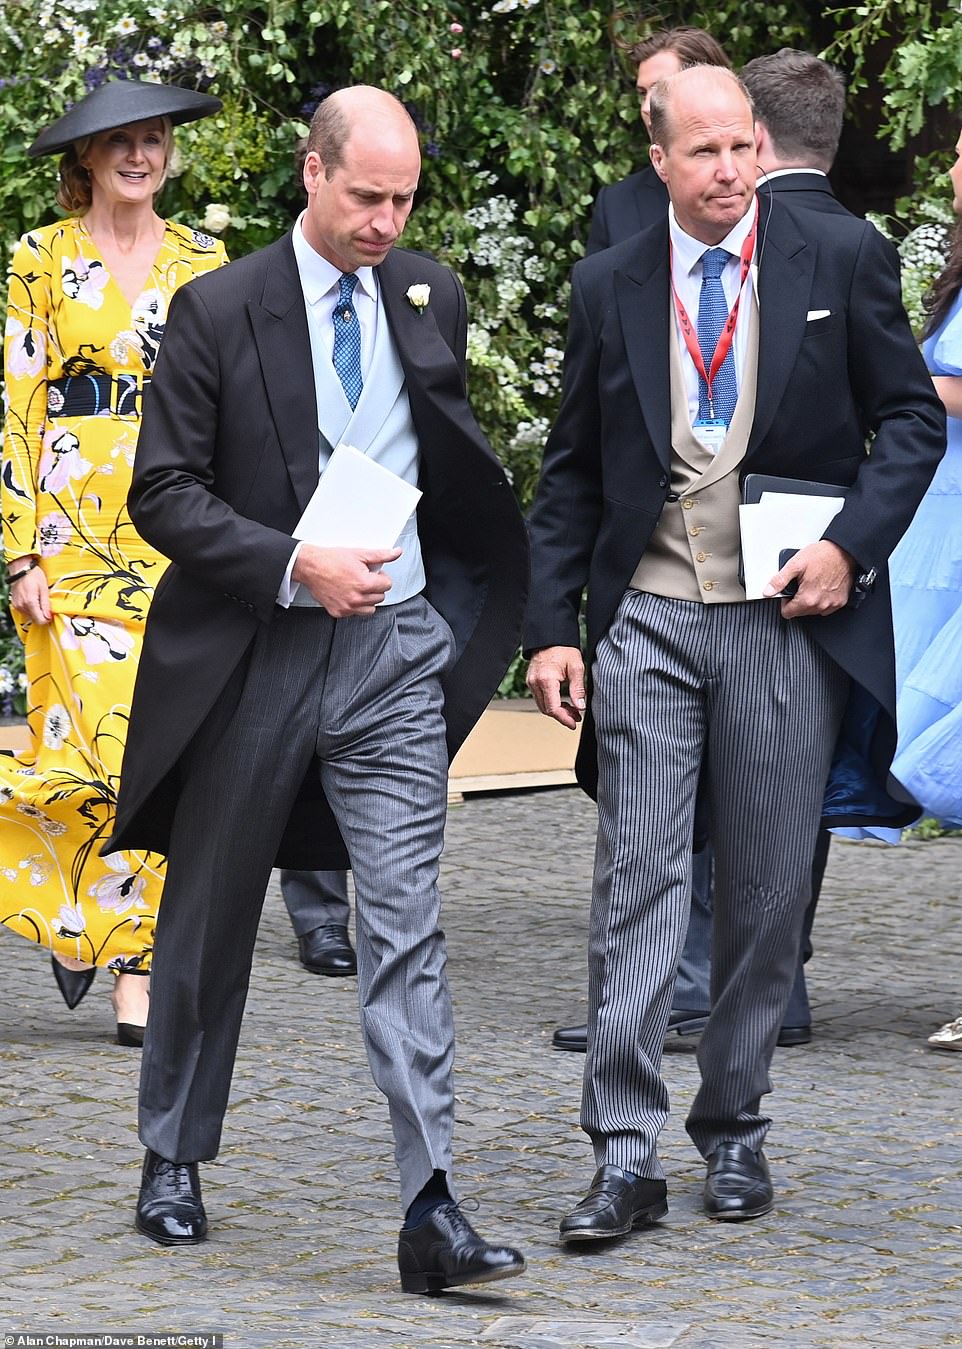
(87, 303)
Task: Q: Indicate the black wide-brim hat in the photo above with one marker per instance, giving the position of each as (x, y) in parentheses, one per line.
(118, 102)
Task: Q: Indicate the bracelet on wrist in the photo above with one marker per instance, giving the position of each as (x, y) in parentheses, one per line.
(25, 571)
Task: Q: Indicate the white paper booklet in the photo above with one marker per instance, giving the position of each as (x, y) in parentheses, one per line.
(780, 520)
(357, 504)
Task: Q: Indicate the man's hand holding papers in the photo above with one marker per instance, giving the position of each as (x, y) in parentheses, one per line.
(824, 573)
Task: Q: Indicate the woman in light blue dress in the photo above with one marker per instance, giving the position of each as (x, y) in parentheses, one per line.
(926, 576)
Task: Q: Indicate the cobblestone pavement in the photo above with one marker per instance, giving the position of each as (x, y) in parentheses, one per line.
(863, 1248)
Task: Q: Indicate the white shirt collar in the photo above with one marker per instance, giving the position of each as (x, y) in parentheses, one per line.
(688, 251)
(318, 276)
(780, 173)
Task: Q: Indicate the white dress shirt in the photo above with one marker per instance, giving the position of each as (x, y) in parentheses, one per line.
(686, 259)
(320, 282)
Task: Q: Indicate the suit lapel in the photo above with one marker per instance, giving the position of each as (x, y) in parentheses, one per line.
(283, 344)
(642, 297)
(425, 357)
(784, 291)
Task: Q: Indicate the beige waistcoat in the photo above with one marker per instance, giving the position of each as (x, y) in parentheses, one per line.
(694, 550)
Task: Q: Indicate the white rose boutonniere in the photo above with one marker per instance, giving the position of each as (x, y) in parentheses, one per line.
(419, 296)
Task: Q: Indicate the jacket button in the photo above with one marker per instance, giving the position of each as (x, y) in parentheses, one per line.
(687, 504)
(708, 585)
(662, 482)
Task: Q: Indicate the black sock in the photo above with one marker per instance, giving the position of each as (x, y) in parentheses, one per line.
(434, 1193)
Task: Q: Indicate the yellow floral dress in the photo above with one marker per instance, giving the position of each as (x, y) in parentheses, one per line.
(76, 355)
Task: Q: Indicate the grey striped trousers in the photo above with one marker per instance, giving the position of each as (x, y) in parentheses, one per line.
(753, 693)
(362, 697)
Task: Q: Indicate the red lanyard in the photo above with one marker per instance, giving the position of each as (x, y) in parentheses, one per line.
(727, 336)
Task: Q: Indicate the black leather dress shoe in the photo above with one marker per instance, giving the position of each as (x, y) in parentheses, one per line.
(574, 1038)
(738, 1184)
(444, 1251)
(169, 1208)
(794, 1035)
(327, 950)
(681, 1021)
(614, 1206)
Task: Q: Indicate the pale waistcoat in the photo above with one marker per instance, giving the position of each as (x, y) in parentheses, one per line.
(693, 553)
(381, 427)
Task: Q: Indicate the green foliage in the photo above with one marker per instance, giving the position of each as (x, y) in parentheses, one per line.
(928, 829)
(524, 109)
(923, 41)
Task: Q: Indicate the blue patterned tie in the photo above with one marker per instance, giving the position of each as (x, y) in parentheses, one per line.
(347, 340)
(712, 313)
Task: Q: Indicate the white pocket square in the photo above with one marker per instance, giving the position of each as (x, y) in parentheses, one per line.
(817, 314)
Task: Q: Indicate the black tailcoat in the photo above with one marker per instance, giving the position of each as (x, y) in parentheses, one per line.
(843, 398)
(226, 462)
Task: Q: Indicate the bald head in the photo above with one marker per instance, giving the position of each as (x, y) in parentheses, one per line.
(362, 107)
(703, 149)
(700, 86)
(361, 168)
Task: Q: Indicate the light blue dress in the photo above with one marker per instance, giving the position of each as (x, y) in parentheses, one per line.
(926, 576)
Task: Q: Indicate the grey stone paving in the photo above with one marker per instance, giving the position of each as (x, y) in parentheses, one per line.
(863, 1249)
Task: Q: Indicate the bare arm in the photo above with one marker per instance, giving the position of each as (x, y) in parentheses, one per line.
(949, 389)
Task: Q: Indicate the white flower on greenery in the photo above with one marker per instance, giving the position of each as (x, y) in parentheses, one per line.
(22, 682)
(418, 296)
(216, 217)
(504, 6)
(81, 40)
(140, 59)
(6, 680)
(548, 67)
(126, 26)
(218, 30)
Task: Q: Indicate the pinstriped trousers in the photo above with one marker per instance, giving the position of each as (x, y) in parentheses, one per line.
(675, 681)
(362, 697)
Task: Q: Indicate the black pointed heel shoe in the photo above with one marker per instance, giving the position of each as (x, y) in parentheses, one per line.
(129, 1034)
(73, 984)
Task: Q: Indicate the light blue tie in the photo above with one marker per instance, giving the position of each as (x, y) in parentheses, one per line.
(712, 313)
(347, 340)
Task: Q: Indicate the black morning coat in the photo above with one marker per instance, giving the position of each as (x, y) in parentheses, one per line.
(226, 461)
(841, 399)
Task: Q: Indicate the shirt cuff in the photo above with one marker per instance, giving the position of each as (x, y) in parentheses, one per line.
(288, 588)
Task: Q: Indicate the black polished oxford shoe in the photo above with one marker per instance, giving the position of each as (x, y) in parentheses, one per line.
(790, 1036)
(169, 1207)
(682, 1022)
(327, 950)
(444, 1251)
(614, 1206)
(738, 1184)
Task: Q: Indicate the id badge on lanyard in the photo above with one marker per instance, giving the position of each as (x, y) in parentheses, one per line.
(711, 433)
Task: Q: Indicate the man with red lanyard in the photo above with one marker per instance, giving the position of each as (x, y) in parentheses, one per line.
(731, 337)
